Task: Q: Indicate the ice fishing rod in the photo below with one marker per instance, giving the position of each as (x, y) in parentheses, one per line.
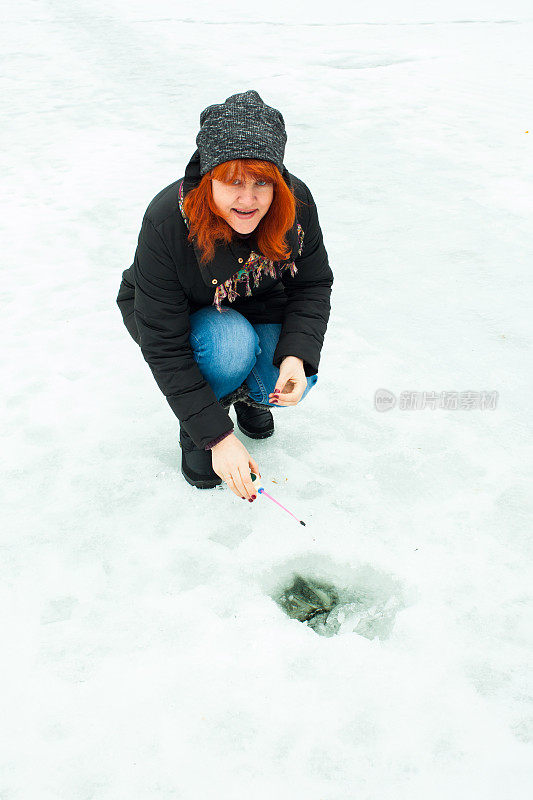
(260, 490)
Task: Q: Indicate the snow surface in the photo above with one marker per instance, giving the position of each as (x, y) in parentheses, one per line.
(143, 653)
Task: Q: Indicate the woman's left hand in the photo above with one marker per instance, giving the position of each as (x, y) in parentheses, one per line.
(291, 382)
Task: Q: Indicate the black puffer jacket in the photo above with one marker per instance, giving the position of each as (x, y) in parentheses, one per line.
(166, 283)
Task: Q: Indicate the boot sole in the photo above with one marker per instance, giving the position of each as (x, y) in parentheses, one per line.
(255, 434)
(201, 483)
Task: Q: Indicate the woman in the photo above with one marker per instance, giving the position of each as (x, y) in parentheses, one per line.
(229, 292)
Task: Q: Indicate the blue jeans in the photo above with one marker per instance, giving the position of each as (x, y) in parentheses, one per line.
(229, 350)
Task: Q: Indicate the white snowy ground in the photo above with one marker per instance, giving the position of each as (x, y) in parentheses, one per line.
(142, 653)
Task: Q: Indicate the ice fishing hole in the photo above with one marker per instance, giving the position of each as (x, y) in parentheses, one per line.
(369, 610)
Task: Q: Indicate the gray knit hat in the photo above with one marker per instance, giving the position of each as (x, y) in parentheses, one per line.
(242, 127)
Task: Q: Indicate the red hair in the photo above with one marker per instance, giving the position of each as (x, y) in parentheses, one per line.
(207, 224)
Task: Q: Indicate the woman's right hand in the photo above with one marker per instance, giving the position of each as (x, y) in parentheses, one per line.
(232, 462)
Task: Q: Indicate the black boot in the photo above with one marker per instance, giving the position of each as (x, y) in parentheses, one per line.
(197, 464)
(257, 423)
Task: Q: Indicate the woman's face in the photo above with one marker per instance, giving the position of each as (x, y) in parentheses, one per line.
(242, 196)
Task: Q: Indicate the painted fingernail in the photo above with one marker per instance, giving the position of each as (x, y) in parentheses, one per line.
(250, 501)
(277, 391)
(254, 496)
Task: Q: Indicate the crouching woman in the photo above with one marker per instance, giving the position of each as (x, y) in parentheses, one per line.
(228, 296)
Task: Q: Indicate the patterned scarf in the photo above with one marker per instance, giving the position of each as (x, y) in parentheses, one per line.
(256, 265)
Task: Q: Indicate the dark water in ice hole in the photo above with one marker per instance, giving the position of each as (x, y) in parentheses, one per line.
(330, 611)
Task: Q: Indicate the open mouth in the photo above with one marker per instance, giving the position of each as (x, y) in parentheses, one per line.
(244, 214)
